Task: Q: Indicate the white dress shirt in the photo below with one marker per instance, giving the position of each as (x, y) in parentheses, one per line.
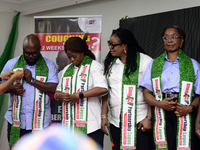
(115, 82)
(96, 79)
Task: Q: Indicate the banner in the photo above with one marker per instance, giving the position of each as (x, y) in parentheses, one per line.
(53, 31)
(8, 53)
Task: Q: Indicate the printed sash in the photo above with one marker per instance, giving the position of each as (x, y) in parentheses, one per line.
(128, 107)
(39, 107)
(160, 124)
(39, 100)
(66, 109)
(187, 78)
(80, 109)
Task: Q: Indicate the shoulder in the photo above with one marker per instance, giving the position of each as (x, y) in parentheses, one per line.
(49, 62)
(66, 67)
(12, 61)
(96, 66)
(195, 63)
(145, 59)
(94, 62)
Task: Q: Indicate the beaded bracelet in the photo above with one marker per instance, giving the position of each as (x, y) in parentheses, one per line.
(103, 116)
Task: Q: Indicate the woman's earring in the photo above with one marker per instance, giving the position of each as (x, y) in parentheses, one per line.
(124, 50)
(181, 45)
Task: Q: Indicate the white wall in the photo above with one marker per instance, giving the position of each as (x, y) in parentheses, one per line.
(5, 27)
(111, 10)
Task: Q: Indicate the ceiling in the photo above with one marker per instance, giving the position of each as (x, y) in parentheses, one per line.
(27, 7)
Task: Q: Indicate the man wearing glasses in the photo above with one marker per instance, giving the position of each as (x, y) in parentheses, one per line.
(30, 103)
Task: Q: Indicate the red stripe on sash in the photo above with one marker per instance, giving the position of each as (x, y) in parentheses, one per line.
(36, 114)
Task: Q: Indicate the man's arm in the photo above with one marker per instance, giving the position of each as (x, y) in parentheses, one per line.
(49, 88)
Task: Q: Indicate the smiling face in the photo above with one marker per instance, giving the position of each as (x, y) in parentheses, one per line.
(75, 58)
(173, 41)
(118, 50)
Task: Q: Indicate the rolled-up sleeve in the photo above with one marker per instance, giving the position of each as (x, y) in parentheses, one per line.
(146, 80)
(96, 73)
(52, 76)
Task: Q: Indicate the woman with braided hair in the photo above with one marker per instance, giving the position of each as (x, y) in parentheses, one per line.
(130, 121)
(171, 87)
(80, 89)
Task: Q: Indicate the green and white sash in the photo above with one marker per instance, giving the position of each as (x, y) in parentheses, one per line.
(80, 109)
(187, 79)
(39, 100)
(128, 107)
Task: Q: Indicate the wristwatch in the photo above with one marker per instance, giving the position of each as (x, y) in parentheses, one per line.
(32, 81)
(193, 107)
(148, 117)
(81, 96)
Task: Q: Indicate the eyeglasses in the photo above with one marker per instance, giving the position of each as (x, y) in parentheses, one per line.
(113, 45)
(34, 54)
(174, 38)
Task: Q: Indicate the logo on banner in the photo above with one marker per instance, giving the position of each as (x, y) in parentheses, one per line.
(90, 22)
(130, 96)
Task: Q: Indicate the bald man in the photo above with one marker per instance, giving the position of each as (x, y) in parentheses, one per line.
(30, 103)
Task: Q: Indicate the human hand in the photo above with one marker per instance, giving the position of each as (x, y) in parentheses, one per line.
(28, 75)
(7, 75)
(198, 130)
(182, 110)
(104, 124)
(19, 74)
(197, 126)
(145, 125)
(17, 89)
(63, 97)
(74, 98)
(168, 104)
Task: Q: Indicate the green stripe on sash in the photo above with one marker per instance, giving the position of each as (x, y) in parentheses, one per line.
(131, 85)
(186, 74)
(87, 61)
(41, 70)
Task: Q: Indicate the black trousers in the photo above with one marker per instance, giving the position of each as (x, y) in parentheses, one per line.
(171, 130)
(97, 136)
(144, 139)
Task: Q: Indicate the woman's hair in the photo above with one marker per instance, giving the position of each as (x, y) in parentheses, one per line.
(180, 31)
(128, 38)
(78, 45)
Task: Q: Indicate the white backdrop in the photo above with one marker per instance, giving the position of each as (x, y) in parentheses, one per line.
(111, 10)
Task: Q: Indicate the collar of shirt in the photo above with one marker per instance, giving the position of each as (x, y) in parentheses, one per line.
(118, 62)
(177, 60)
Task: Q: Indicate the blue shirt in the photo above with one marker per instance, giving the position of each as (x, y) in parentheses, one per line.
(170, 77)
(28, 97)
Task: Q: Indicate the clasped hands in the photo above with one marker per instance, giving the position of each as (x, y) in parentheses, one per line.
(18, 88)
(67, 98)
(169, 105)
